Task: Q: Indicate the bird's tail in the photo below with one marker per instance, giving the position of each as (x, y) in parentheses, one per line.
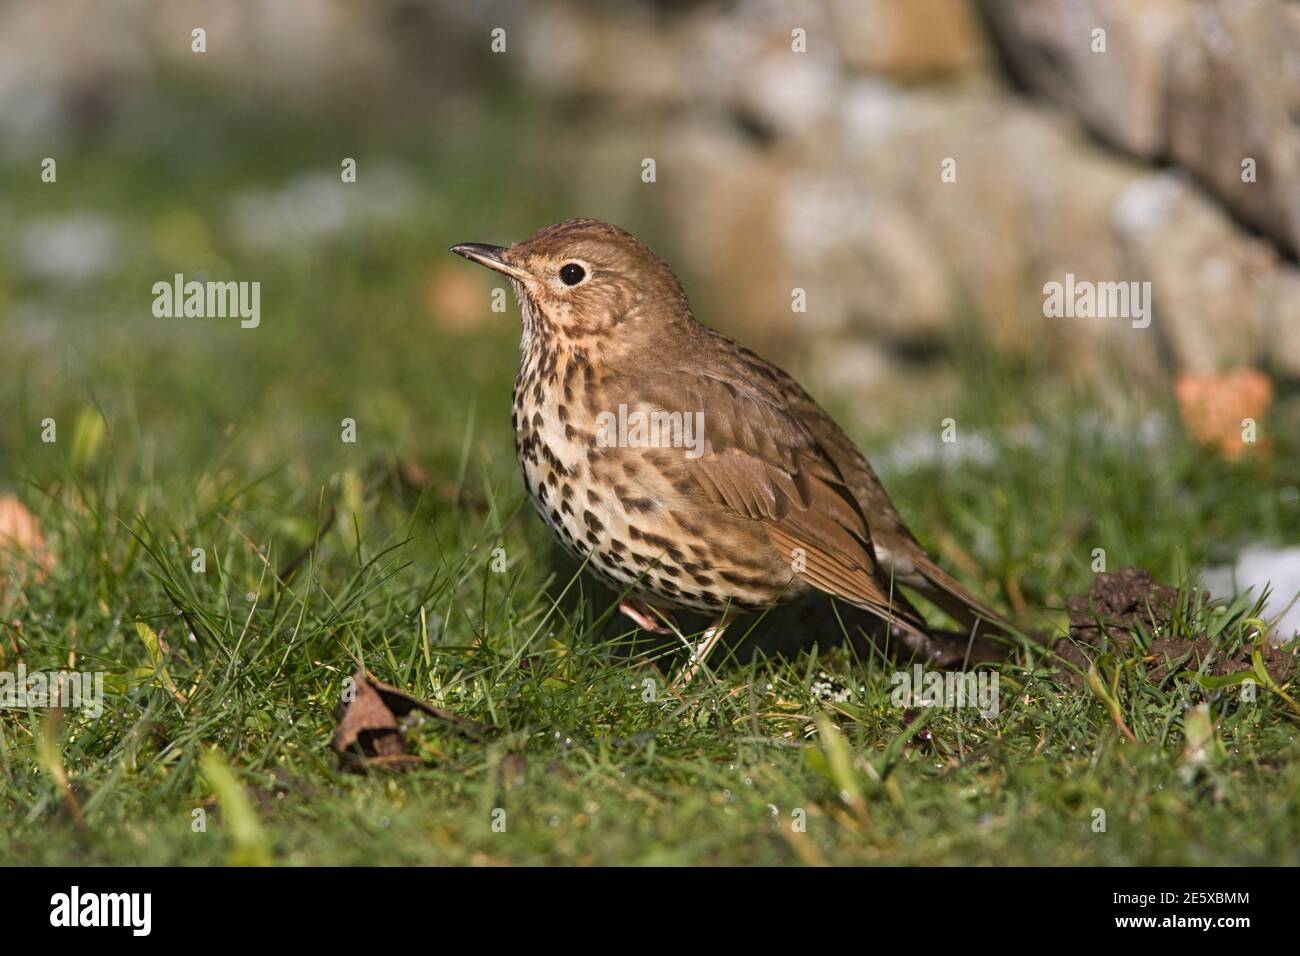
(948, 593)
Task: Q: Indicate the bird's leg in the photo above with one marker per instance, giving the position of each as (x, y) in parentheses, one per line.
(700, 651)
(644, 617)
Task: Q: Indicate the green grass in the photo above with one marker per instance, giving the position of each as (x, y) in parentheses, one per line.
(228, 440)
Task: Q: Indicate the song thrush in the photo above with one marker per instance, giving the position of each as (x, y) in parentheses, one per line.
(681, 467)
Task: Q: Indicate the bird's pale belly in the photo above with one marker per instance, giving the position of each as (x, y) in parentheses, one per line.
(606, 508)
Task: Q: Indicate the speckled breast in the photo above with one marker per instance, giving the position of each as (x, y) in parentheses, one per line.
(602, 503)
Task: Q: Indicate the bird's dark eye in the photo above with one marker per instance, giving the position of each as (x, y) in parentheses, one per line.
(571, 273)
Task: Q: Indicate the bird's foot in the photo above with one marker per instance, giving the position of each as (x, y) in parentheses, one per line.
(701, 649)
(645, 617)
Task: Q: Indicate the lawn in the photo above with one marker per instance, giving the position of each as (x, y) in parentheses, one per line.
(321, 556)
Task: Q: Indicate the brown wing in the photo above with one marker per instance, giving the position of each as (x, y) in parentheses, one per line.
(761, 462)
(911, 564)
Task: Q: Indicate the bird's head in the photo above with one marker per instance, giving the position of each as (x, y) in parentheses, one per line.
(584, 278)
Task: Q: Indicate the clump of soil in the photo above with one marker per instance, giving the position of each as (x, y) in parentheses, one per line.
(1120, 603)
(1171, 654)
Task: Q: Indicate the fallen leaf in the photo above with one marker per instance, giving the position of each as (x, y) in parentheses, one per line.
(369, 732)
(1214, 406)
(456, 298)
(23, 551)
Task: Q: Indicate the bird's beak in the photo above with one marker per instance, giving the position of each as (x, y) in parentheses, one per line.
(490, 256)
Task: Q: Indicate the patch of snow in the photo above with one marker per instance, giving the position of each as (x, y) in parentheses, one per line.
(73, 247)
(1255, 568)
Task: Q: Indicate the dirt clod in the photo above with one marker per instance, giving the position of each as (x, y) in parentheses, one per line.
(1120, 604)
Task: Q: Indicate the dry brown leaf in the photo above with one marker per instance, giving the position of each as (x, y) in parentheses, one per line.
(456, 299)
(23, 551)
(1213, 406)
(369, 732)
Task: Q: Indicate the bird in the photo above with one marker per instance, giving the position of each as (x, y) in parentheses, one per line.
(681, 468)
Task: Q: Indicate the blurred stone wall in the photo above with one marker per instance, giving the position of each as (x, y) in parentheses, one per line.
(821, 169)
